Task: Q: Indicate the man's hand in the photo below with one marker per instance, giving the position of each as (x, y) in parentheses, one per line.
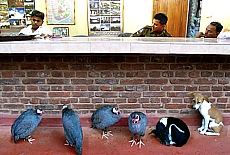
(45, 35)
(199, 34)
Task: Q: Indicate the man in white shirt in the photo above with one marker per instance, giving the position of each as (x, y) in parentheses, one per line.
(36, 28)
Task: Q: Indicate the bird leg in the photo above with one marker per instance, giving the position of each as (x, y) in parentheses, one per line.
(140, 143)
(29, 139)
(133, 141)
(106, 133)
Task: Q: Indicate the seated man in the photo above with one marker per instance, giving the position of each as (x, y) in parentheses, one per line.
(212, 31)
(156, 30)
(36, 28)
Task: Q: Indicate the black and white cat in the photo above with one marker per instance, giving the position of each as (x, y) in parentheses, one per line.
(171, 131)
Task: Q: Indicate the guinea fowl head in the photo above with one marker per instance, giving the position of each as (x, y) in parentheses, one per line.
(136, 119)
(39, 111)
(116, 110)
(64, 106)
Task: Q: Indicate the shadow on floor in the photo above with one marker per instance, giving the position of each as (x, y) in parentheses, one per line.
(51, 140)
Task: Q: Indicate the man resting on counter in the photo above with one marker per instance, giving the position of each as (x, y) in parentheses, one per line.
(36, 28)
(212, 31)
(156, 30)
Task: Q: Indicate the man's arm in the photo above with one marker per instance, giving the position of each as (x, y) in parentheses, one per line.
(46, 32)
(23, 31)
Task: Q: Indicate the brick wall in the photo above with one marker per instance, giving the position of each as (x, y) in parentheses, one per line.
(157, 84)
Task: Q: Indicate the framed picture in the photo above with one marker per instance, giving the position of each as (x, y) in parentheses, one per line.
(60, 12)
(61, 32)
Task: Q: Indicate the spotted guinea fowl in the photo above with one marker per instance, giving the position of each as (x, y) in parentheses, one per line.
(104, 117)
(171, 131)
(72, 128)
(25, 124)
(137, 122)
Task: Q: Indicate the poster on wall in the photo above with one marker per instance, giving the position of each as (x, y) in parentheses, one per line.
(19, 12)
(29, 7)
(60, 12)
(15, 14)
(4, 20)
(105, 17)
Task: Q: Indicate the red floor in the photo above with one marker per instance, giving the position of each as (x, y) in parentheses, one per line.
(50, 141)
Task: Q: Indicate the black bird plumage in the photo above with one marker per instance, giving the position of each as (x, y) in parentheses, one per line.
(72, 128)
(25, 124)
(172, 131)
(137, 122)
(105, 117)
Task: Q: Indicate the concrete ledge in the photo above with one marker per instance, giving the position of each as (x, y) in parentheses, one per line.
(56, 121)
(143, 45)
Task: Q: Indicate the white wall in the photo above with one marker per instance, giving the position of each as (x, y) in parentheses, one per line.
(137, 14)
(215, 10)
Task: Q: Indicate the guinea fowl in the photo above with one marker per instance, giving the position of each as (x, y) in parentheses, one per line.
(105, 117)
(137, 122)
(72, 128)
(25, 124)
(172, 131)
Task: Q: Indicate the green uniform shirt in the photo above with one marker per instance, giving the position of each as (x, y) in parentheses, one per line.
(147, 32)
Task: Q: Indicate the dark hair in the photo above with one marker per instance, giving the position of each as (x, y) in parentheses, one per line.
(161, 17)
(37, 13)
(218, 26)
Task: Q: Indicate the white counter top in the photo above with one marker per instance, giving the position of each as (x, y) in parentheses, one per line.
(119, 45)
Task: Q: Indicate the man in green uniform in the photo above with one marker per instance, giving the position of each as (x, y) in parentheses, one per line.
(156, 30)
